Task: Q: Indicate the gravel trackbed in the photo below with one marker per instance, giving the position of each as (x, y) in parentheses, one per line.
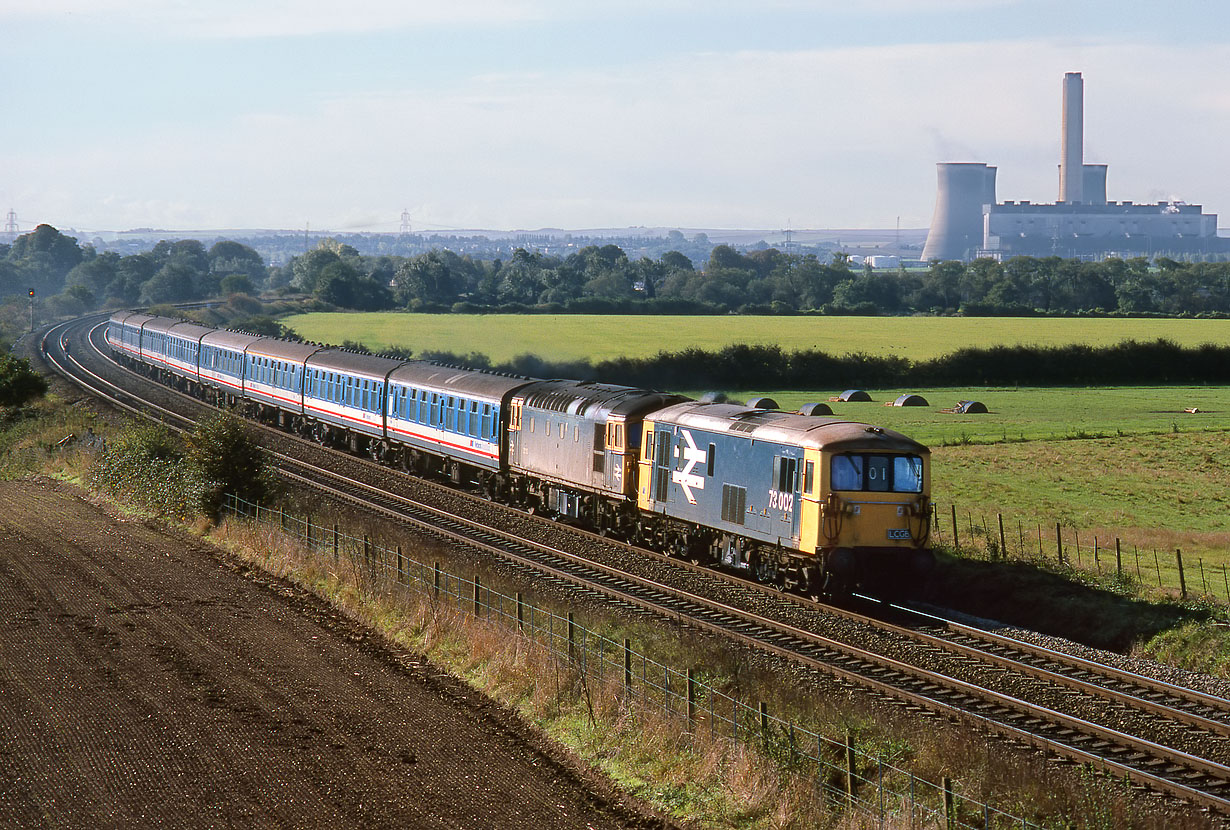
(148, 680)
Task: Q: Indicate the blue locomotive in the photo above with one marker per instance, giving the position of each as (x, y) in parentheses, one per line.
(806, 502)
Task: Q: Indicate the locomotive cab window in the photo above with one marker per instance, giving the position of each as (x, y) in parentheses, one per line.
(877, 473)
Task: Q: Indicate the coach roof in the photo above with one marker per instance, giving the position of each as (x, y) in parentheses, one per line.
(594, 399)
(353, 363)
(451, 380)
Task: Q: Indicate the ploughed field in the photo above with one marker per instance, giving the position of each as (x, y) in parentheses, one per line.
(150, 681)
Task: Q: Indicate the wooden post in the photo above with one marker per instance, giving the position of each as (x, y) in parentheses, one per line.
(572, 638)
(950, 814)
(309, 530)
(477, 594)
(520, 612)
(627, 665)
(1158, 567)
(1204, 585)
(1003, 543)
(1058, 545)
(956, 544)
(1118, 559)
(367, 550)
(435, 585)
(1097, 563)
(691, 698)
(1225, 582)
(1178, 558)
(851, 784)
(401, 564)
(764, 721)
(337, 545)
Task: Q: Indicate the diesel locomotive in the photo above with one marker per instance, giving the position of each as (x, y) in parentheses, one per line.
(808, 503)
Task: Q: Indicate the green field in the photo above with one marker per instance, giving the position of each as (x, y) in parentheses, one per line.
(1023, 414)
(574, 336)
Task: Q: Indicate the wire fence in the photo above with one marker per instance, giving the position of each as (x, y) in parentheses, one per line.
(846, 776)
(1065, 548)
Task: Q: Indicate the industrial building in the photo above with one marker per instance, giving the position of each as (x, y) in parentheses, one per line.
(969, 223)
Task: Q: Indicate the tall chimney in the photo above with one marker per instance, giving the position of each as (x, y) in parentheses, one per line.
(1071, 147)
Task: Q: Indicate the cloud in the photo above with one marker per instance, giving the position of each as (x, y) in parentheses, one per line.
(843, 137)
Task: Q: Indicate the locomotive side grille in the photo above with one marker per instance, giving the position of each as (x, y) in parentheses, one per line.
(734, 503)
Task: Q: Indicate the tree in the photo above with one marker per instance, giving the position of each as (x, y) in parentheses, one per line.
(230, 460)
(19, 384)
(174, 283)
(236, 284)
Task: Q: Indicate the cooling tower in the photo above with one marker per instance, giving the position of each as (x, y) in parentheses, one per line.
(956, 226)
(1094, 184)
(1072, 138)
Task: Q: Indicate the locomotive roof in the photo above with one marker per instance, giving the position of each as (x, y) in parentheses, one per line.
(452, 380)
(819, 433)
(235, 341)
(353, 363)
(594, 399)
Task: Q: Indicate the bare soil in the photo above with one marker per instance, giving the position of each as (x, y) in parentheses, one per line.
(148, 679)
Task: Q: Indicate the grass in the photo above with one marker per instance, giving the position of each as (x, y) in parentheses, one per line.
(598, 337)
(1025, 414)
(692, 776)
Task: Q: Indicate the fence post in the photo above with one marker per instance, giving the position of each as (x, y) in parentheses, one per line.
(956, 545)
(1204, 585)
(851, 786)
(520, 612)
(309, 531)
(1003, 543)
(337, 545)
(572, 638)
(367, 550)
(435, 585)
(1097, 563)
(628, 666)
(691, 698)
(401, 565)
(477, 589)
(1058, 545)
(1178, 558)
(950, 814)
(764, 723)
(1118, 559)
(1225, 582)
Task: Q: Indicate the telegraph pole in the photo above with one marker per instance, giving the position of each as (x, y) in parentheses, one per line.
(32, 311)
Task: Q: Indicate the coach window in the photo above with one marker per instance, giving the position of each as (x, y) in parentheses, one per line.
(809, 477)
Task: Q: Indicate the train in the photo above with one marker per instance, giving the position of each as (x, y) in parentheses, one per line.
(800, 500)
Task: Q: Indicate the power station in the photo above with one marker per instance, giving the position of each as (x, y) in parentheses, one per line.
(968, 223)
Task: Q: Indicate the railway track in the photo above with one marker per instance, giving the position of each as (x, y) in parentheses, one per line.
(1177, 744)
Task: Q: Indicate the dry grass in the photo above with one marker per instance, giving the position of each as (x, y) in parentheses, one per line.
(695, 775)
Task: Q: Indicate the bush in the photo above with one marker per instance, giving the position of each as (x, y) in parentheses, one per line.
(19, 384)
(146, 465)
(229, 462)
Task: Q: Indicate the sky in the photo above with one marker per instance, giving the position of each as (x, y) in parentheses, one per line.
(575, 114)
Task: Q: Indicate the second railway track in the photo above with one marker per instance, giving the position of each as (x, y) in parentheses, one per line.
(1166, 737)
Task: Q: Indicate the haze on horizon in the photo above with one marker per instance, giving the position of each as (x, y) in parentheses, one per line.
(544, 113)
